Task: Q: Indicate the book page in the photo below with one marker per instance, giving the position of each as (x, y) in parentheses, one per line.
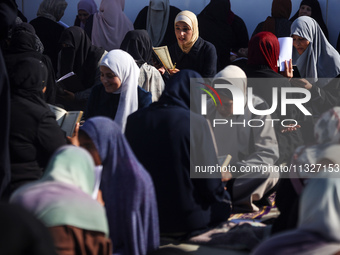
(59, 113)
(164, 55)
(70, 121)
(224, 162)
(286, 50)
(66, 76)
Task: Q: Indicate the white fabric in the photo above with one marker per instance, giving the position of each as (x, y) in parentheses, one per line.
(320, 59)
(124, 66)
(151, 80)
(110, 25)
(52, 9)
(157, 20)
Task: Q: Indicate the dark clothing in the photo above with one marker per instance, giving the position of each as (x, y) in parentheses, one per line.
(161, 138)
(201, 58)
(105, 104)
(282, 27)
(225, 30)
(34, 132)
(49, 33)
(169, 37)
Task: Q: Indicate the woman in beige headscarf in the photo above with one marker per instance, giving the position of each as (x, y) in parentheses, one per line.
(191, 51)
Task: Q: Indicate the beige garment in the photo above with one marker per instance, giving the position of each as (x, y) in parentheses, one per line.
(151, 80)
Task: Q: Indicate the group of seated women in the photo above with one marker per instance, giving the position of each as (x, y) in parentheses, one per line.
(137, 167)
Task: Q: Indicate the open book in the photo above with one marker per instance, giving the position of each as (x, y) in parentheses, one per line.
(164, 56)
(70, 82)
(224, 162)
(66, 120)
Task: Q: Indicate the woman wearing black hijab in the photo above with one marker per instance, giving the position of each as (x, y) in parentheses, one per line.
(312, 9)
(25, 43)
(34, 132)
(78, 55)
(138, 44)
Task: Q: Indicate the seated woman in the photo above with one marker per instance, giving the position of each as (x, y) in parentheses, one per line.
(78, 55)
(119, 94)
(47, 27)
(318, 221)
(85, 9)
(250, 147)
(158, 19)
(191, 51)
(263, 77)
(62, 200)
(34, 131)
(318, 63)
(311, 8)
(138, 44)
(170, 140)
(224, 29)
(278, 23)
(127, 189)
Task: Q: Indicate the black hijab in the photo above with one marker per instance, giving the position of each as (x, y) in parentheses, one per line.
(29, 80)
(138, 44)
(80, 56)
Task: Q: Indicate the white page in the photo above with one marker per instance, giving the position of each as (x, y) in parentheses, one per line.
(98, 175)
(59, 113)
(286, 50)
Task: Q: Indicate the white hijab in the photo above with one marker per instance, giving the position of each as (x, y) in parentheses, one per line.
(157, 20)
(124, 66)
(110, 25)
(320, 59)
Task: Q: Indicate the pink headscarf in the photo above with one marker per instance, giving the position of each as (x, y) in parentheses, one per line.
(110, 25)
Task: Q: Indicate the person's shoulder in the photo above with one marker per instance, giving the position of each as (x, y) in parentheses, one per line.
(144, 98)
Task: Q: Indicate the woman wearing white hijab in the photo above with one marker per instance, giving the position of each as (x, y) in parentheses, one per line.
(318, 63)
(110, 25)
(119, 94)
(249, 146)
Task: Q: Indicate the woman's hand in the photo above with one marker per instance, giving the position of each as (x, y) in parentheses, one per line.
(74, 139)
(291, 128)
(173, 71)
(288, 72)
(301, 83)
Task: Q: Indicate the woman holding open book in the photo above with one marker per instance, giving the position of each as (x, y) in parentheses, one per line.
(191, 51)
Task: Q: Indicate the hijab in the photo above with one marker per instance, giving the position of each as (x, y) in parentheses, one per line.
(157, 20)
(191, 20)
(127, 190)
(138, 44)
(217, 10)
(80, 56)
(89, 6)
(316, 14)
(281, 9)
(320, 59)
(28, 80)
(63, 195)
(264, 49)
(52, 9)
(125, 68)
(110, 25)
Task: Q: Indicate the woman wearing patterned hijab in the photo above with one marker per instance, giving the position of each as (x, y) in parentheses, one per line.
(191, 51)
(318, 63)
(62, 200)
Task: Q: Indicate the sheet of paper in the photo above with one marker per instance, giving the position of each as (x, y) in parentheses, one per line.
(286, 50)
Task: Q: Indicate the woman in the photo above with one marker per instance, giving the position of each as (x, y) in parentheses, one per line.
(250, 147)
(85, 9)
(311, 8)
(177, 140)
(191, 51)
(278, 23)
(224, 29)
(62, 200)
(318, 63)
(318, 223)
(119, 94)
(138, 44)
(127, 188)
(108, 27)
(47, 27)
(263, 77)
(78, 55)
(34, 132)
(158, 19)
(25, 43)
